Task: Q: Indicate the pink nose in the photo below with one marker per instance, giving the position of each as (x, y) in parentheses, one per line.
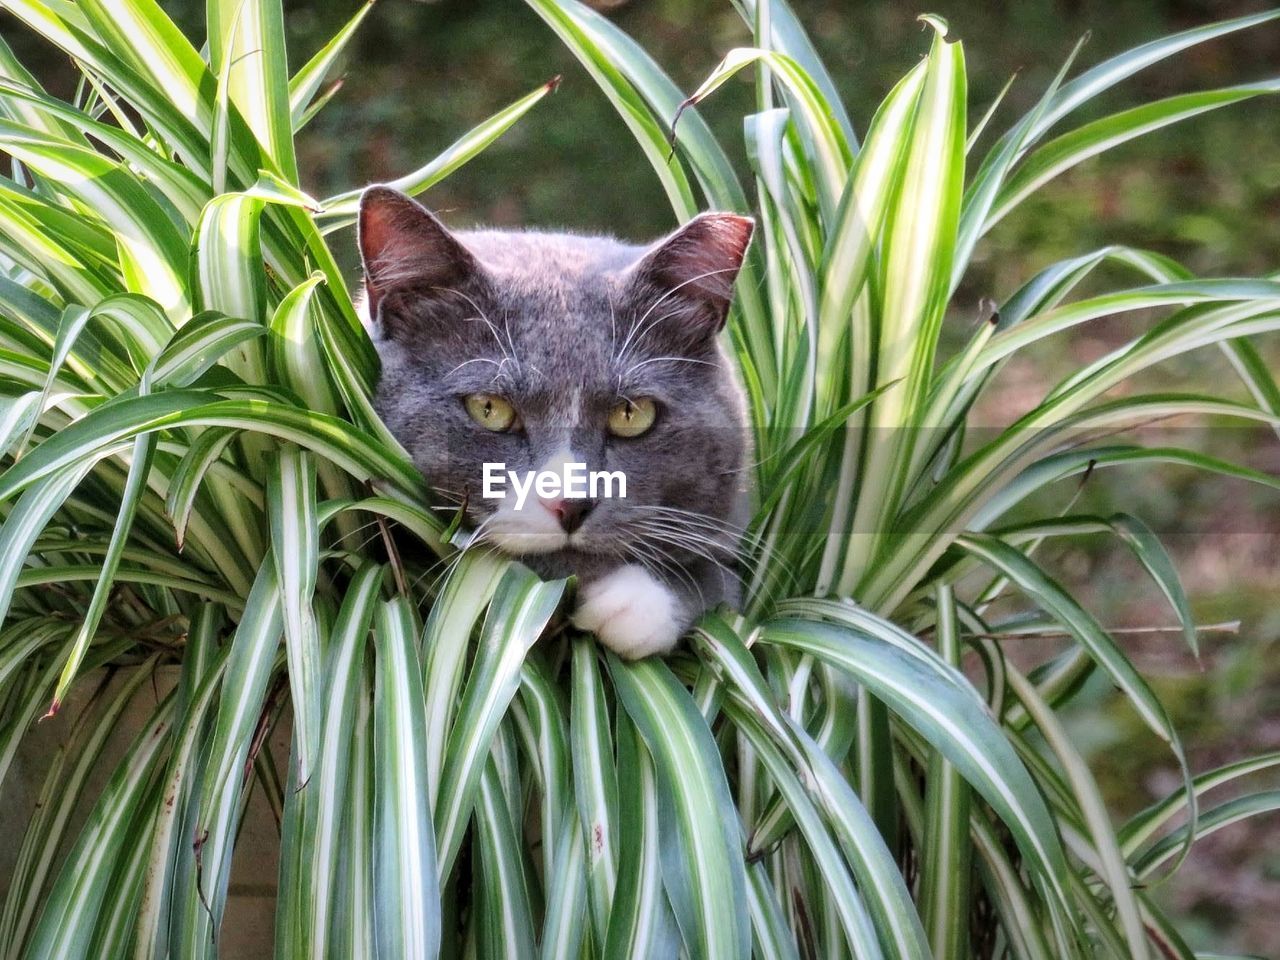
(570, 513)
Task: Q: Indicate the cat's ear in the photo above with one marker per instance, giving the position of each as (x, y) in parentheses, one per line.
(697, 266)
(403, 245)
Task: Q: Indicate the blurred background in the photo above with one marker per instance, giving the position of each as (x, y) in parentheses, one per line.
(1206, 192)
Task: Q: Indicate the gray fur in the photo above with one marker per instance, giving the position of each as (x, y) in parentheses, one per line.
(563, 326)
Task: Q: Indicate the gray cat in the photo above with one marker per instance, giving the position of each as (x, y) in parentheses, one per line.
(534, 350)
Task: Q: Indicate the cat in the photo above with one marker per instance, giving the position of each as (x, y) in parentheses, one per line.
(534, 350)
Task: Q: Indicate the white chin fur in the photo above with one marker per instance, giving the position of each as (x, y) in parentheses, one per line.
(522, 532)
(521, 544)
(631, 612)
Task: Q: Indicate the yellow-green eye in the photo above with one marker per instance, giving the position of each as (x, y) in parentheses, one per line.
(492, 413)
(631, 418)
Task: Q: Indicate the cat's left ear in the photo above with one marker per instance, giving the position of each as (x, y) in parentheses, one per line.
(696, 267)
(403, 245)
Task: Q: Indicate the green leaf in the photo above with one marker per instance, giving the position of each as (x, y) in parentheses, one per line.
(141, 34)
(83, 888)
(199, 684)
(139, 468)
(566, 910)
(595, 782)
(213, 808)
(506, 930)
(295, 549)
(938, 702)
(305, 83)
(462, 600)
(919, 246)
(324, 799)
(849, 831)
(1101, 135)
(200, 343)
(1153, 556)
(111, 424)
(641, 923)
(945, 893)
(340, 210)
(152, 252)
(1055, 601)
(406, 888)
(63, 786)
(702, 866)
(247, 37)
(1146, 824)
(522, 605)
(1212, 820)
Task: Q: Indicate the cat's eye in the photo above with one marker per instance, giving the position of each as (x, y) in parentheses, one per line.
(491, 412)
(631, 418)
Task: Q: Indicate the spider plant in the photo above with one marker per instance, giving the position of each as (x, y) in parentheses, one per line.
(200, 503)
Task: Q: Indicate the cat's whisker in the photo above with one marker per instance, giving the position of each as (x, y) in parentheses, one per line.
(691, 534)
(506, 328)
(754, 542)
(484, 317)
(644, 363)
(359, 528)
(654, 567)
(743, 556)
(688, 545)
(478, 534)
(702, 521)
(638, 332)
(493, 330)
(666, 563)
(674, 290)
(693, 516)
(716, 551)
(502, 367)
(448, 563)
(453, 559)
(366, 539)
(476, 360)
(680, 568)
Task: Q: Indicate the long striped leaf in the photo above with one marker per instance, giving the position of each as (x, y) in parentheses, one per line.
(407, 891)
(521, 607)
(295, 549)
(595, 782)
(939, 703)
(325, 797)
(213, 808)
(703, 870)
(304, 84)
(248, 36)
(83, 888)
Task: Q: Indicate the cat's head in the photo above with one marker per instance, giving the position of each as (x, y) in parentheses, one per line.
(533, 349)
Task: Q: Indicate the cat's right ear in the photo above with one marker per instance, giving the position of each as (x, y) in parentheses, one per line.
(695, 267)
(403, 245)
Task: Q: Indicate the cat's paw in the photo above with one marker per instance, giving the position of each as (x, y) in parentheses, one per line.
(633, 613)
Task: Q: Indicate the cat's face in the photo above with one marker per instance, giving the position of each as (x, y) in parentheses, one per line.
(532, 350)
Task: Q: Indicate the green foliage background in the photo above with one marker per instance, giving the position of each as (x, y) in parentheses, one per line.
(419, 73)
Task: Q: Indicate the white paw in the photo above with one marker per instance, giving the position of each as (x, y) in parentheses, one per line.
(632, 613)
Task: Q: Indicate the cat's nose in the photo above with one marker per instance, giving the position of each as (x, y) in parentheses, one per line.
(570, 512)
